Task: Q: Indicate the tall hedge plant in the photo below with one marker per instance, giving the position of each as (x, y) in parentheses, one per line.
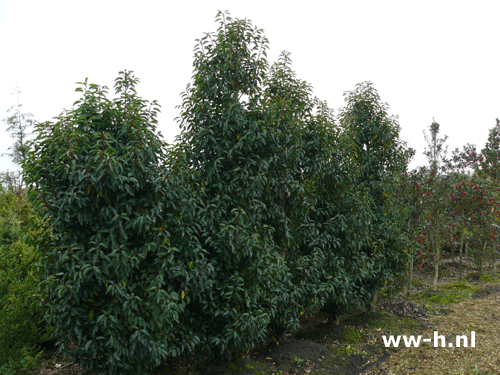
(115, 279)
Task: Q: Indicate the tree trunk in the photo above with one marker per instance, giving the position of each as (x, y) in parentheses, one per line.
(494, 255)
(374, 300)
(436, 267)
(481, 254)
(452, 249)
(410, 277)
(460, 264)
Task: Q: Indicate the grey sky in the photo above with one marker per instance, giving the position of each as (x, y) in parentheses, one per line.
(427, 58)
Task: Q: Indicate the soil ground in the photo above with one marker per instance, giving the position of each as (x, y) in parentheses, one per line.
(353, 344)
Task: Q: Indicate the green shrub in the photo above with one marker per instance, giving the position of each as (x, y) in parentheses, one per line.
(118, 256)
(259, 214)
(9, 217)
(21, 316)
(226, 142)
(9, 231)
(378, 159)
(297, 221)
(263, 148)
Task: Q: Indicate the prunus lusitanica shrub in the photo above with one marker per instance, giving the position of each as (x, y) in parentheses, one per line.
(320, 197)
(227, 143)
(259, 142)
(119, 254)
(264, 210)
(378, 161)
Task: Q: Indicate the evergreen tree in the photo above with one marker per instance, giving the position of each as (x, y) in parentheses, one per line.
(379, 158)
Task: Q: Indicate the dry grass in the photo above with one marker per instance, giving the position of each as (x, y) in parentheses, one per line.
(479, 315)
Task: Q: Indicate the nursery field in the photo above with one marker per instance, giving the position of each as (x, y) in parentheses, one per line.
(352, 343)
(275, 236)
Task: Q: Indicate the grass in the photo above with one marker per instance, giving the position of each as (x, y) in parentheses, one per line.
(467, 315)
(445, 294)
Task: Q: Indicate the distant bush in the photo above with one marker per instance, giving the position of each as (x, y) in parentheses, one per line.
(9, 231)
(9, 218)
(21, 315)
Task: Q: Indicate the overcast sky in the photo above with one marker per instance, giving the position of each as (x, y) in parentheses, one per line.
(428, 59)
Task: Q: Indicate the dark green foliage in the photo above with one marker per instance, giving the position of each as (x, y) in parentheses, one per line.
(226, 137)
(377, 152)
(265, 150)
(263, 211)
(489, 161)
(378, 160)
(270, 156)
(115, 272)
(298, 126)
(310, 195)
